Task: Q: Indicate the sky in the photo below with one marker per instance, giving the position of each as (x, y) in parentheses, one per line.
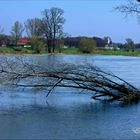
(83, 17)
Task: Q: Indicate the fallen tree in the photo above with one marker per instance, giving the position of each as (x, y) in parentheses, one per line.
(87, 78)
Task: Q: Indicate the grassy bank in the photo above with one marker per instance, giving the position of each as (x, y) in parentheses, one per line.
(18, 50)
(118, 52)
(21, 50)
(103, 52)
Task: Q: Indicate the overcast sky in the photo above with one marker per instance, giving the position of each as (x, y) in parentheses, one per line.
(83, 17)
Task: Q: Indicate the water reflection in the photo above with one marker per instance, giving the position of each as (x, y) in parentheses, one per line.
(72, 116)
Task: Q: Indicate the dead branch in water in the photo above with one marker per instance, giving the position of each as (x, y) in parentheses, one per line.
(84, 77)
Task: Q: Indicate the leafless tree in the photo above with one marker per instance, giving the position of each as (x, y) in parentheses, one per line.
(87, 78)
(17, 30)
(131, 7)
(33, 27)
(53, 21)
(1, 30)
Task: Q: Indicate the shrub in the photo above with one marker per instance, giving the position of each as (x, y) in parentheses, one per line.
(6, 50)
(87, 45)
(37, 44)
(18, 49)
(129, 45)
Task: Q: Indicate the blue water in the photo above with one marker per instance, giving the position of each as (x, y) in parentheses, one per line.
(66, 115)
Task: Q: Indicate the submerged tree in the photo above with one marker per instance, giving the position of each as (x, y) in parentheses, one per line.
(87, 78)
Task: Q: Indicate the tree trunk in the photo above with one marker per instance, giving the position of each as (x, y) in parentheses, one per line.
(54, 41)
(53, 46)
(49, 46)
(16, 41)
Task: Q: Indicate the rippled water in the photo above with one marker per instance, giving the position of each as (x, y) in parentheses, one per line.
(65, 115)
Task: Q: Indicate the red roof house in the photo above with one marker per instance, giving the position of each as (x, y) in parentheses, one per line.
(24, 41)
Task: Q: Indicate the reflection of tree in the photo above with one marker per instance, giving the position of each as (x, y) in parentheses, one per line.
(87, 77)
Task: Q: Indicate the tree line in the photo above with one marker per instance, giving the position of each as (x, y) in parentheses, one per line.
(49, 27)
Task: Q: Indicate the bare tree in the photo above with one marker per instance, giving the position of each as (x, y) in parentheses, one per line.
(33, 27)
(53, 21)
(88, 78)
(1, 30)
(17, 30)
(131, 7)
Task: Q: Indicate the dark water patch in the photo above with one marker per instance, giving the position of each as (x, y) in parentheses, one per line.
(69, 117)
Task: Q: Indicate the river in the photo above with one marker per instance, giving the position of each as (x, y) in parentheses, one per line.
(67, 115)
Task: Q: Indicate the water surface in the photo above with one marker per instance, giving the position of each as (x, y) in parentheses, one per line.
(67, 114)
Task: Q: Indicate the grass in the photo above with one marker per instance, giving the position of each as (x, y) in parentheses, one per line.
(70, 51)
(21, 50)
(103, 52)
(4, 50)
(118, 52)
(18, 50)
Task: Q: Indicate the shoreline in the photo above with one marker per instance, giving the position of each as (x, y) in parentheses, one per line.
(42, 54)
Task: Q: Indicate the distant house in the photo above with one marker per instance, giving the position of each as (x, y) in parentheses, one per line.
(25, 42)
(108, 42)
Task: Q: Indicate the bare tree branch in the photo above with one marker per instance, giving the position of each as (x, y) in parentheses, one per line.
(1, 30)
(33, 27)
(17, 30)
(53, 21)
(131, 7)
(84, 77)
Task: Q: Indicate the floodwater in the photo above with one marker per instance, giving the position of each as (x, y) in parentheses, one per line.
(68, 115)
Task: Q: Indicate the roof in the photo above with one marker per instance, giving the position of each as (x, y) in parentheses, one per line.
(24, 41)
